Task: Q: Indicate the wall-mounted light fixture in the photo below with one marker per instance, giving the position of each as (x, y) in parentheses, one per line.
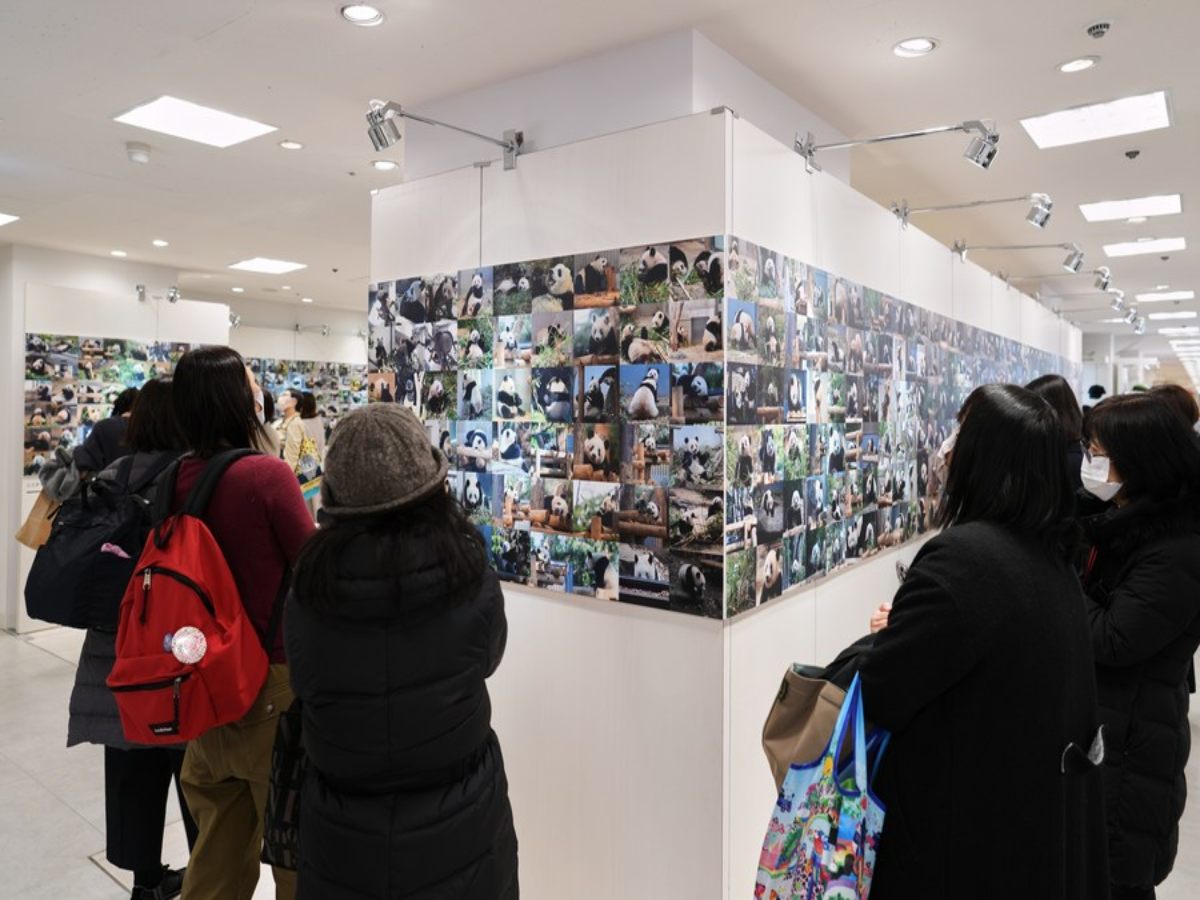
(980, 151)
(1038, 215)
(1072, 263)
(1103, 278)
(383, 128)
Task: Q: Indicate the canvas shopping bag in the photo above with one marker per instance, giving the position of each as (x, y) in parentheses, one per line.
(36, 529)
(825, 828)
(801, 719)
(308, 470)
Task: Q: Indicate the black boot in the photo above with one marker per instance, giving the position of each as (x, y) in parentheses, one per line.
(170, 887)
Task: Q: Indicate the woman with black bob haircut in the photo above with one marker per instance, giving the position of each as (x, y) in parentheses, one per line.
(1056, 391)
(984, 676)
(1142, 580)
(394, 624)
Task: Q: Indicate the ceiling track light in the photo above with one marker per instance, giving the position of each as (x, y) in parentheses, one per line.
(980, 151)
(1103, 278)
(172, 294)
(1072, 263)
(1131, 315)
(384, 130)
(140, 289)
(1038, 215)
(234, 320)
(1139, 327)
(1118, 300)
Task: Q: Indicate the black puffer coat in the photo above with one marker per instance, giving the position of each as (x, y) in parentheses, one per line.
(406, 795)
(1143, 587)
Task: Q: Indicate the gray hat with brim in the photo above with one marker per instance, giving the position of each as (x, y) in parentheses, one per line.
(379, 459)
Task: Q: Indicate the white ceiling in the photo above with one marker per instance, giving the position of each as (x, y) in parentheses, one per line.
(67, 67)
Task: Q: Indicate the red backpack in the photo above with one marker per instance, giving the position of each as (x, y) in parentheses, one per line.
(171, 684)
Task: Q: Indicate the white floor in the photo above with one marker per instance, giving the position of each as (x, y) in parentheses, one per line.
(52, 798)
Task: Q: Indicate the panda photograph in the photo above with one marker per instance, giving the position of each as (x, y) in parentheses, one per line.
(742, 461)
(552, 398)
(475, 340)
(476, 497)
(553, 338)
(596, 279)
(698, 456)
(596, 510)
(646, 454)
(696, 580)
(697, 518)
(513, 288)
(600, 573)
(512, 495)
(597, 393)
(642, 519)
(645, 274)
(513, 344)
(474, 445)
(697, 393)
(697, 269)
(597, 339)
(513, 454)
(742, 263)
(794, 506)
(474, 294)
(645, 392)
(742, 393)
(741, 576)
(597, 452)
(772, 335)
(645, 334)
(771, 386)
(550, 505)
(696, 330)
(510, 553)
(474, 393)
(512, 394)
(438, 393)
(768, 501)
(793, 561)
(768, 581)
(645, 576)
(741, 332)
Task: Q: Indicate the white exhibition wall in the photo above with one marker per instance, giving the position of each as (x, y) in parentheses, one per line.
(621, 762)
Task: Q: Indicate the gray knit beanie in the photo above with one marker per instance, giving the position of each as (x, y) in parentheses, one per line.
(379, 459)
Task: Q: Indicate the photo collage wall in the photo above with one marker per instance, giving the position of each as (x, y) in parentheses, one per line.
(694, 426)
(71, 383)
(338, 387)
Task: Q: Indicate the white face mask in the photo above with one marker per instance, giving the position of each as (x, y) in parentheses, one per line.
(1094, 472)
(941, 459)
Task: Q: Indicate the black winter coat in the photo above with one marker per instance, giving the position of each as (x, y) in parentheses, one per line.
(984, 675)
(1143, 587)
(406, 795)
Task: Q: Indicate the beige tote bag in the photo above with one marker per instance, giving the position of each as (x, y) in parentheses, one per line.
(801, 720)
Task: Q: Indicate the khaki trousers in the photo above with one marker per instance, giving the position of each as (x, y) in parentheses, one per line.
(225, 777)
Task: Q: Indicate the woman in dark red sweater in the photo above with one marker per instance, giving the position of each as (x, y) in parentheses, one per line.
(259, 519)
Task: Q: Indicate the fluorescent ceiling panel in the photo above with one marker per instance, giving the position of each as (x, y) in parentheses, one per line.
(1097, 121)
(1172, 315)
(1114, 210)
(1181, 329)
(193, 122)
(1141, 248)
(1166, 295)
(268, 266)
(5, 219)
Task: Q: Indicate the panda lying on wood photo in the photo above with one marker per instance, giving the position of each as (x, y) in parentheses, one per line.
(592, 278)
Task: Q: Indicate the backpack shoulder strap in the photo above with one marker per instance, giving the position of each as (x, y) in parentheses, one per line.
(200, 495)
(164, 497)
(161, 463)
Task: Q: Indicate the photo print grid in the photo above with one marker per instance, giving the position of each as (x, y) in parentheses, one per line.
(581, 402)
(71, 383)
(837, 397)
(698, 425)
(338, 387)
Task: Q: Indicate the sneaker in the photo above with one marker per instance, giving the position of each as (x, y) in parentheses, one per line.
(170, 887)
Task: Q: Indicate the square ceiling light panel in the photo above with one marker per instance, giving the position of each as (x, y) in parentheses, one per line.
(1164, 296)
(268, 266)
(193, 122)
(1114, 210)
(1097, 121)
(6, 219)
(1141, 248)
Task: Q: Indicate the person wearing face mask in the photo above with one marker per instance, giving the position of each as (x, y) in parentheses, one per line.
(1142, 581)
(291, 428)
(269, 437)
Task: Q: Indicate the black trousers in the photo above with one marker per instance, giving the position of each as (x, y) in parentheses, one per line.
(136, 783)
(1120, 892)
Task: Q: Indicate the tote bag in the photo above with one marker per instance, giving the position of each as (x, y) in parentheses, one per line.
(824, 830)
(801, 720)
(289, 768)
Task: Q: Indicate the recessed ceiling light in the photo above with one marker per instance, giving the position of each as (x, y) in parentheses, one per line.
(6, 219)
(1134, 208)
(1112, 321)
(374, 191)
(362, 14)
(1172, 315)
(119, 254)
(1166, 296)
(1138, 248)
(193, 122)
(1081, 64)
(916, 46)
(384, 165)
(1095, 122)
(1136, 220)
(291, 145)
(159, 242)
(285, 287)
(306, 300)
(1161, 287)
(268, 266)
(238, 290)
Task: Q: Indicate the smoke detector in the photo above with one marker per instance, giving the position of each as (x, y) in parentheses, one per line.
(1098, 30)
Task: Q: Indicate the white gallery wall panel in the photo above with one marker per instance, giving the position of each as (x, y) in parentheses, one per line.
(431, 225)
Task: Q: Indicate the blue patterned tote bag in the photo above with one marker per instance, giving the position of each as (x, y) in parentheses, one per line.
(826, 824)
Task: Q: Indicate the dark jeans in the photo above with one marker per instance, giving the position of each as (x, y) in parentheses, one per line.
(136, 783)
(1120, 892)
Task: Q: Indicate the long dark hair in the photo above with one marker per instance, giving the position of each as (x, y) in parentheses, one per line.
(1008, 467)
(308, 405)
(435, 531)
(214, 403)
(1154, 451)
(1056, 391)
(153, 426)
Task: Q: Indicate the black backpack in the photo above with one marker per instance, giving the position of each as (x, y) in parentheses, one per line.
(79, 575)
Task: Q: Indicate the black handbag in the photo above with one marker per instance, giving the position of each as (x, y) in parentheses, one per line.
(289, 767)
